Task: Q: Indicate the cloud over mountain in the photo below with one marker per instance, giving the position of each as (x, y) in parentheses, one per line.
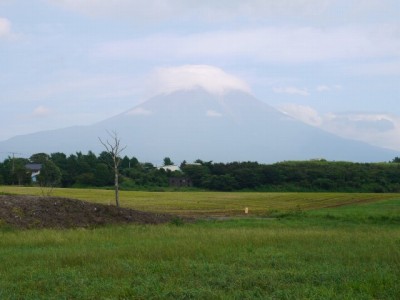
(41, 112)
(209, 78)
(379, 129)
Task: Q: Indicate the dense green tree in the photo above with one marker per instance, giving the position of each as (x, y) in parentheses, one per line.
(248, 178)
(106, 158)
(50, 175)
(103, 175)
(168, 161)
(6, 172)
(84, 163)
(90, 159)
(20, 172)
(134, 162)
(13, 171)
(85, 179)
(39, 158)
(60, 159)
(148, 166)
(183, 164)
(91, 170)
(197, 173)
(220, 182)
(125, 162)
(396, 160)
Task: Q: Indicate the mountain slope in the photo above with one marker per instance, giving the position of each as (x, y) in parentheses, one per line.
(191, 124)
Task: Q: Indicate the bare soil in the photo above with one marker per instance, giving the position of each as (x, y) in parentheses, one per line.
(52, 212)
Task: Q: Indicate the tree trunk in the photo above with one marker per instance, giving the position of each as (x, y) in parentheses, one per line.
(116, 187)
(114, 149)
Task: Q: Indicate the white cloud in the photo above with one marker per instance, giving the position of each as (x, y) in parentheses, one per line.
(80, 86)
(390, 68)
(269, 44)
(303, 113)
(222, 11)
(41, 112)
(328, 88)
(291, 90)
(152, 9)
(323, 88)
(139, 111)
(213, 114)
(5, 27)
(157, 10)
(381, 130)
(212, 79)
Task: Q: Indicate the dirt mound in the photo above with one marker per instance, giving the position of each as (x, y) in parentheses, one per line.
(52, 212)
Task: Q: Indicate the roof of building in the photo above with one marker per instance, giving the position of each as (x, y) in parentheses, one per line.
(171, 168)
(33, 167)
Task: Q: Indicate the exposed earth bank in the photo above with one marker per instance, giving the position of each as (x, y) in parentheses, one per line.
(52, 212)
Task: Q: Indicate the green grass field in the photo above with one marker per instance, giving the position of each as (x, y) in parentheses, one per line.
(315, 248)
(211, 203)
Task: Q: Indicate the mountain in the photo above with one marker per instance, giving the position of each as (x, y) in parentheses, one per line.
(191, 124)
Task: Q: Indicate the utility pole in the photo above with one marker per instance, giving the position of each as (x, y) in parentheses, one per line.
(13, 165)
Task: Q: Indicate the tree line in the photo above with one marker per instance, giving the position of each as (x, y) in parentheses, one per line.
(298, 176)
(83, 170)
(91, 170)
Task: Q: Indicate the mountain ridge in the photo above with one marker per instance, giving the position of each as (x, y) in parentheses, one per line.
(192, 124)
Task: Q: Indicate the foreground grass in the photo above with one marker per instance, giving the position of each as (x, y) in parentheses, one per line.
(324, 251)
(211, 203)
(239, 259)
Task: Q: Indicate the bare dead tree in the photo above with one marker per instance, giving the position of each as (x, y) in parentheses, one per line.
(114, 148)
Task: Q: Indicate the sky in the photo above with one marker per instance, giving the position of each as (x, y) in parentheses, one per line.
(334, 64)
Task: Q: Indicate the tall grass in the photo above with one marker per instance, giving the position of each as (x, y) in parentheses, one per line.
(384, 211)
(244, 259)
(309, 251)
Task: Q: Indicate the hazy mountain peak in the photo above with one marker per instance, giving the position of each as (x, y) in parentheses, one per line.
(188, 77)
(192, 124)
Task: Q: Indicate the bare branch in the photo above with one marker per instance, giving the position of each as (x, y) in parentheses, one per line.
(112, 146)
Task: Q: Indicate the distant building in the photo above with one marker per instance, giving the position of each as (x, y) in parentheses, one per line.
(171, 168)
(34, 169)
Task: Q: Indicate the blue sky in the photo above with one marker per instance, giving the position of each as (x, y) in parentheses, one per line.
(331, 64)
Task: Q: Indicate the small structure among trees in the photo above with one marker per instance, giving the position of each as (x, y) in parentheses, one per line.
(171, 168)
(44, 171)
(180, 182)
(34, 170)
